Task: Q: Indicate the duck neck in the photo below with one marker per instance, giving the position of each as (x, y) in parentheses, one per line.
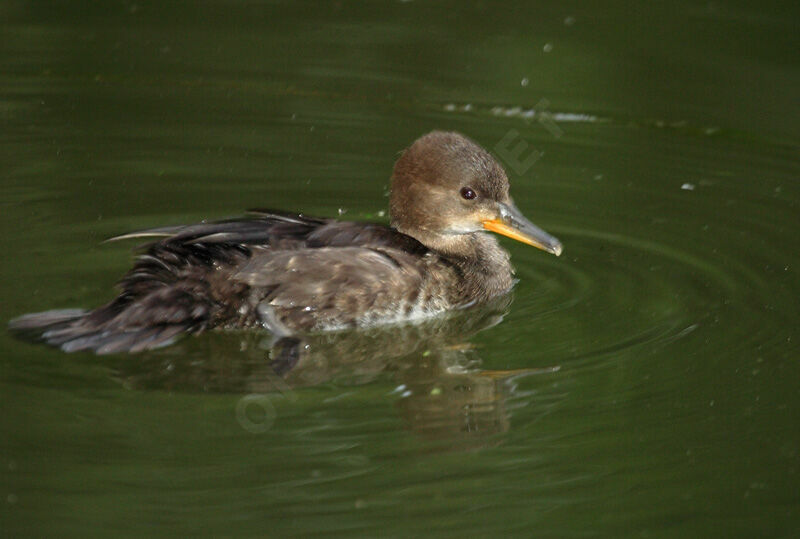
(484, 267)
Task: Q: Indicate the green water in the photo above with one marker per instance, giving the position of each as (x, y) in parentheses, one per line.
(645, 383)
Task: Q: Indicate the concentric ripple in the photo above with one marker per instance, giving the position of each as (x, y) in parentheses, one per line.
(660, 262)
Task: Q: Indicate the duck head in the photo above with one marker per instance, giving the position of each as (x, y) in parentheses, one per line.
(445, 188)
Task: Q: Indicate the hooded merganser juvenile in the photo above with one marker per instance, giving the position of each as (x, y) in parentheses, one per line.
(292, 274)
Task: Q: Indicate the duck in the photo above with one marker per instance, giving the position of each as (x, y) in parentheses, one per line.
(292, 274)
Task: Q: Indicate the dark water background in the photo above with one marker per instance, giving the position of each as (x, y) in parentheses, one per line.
(645, 384)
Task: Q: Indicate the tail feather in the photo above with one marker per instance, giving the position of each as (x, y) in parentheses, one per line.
(73, 330)
(46, 319)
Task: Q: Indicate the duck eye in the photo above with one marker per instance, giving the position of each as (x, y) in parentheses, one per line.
(468, 193)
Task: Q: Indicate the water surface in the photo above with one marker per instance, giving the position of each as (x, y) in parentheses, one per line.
(645, 383)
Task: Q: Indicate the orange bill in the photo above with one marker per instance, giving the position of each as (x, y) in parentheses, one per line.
(514, 225)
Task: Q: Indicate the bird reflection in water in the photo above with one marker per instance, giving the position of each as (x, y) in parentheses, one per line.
(442, 393)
